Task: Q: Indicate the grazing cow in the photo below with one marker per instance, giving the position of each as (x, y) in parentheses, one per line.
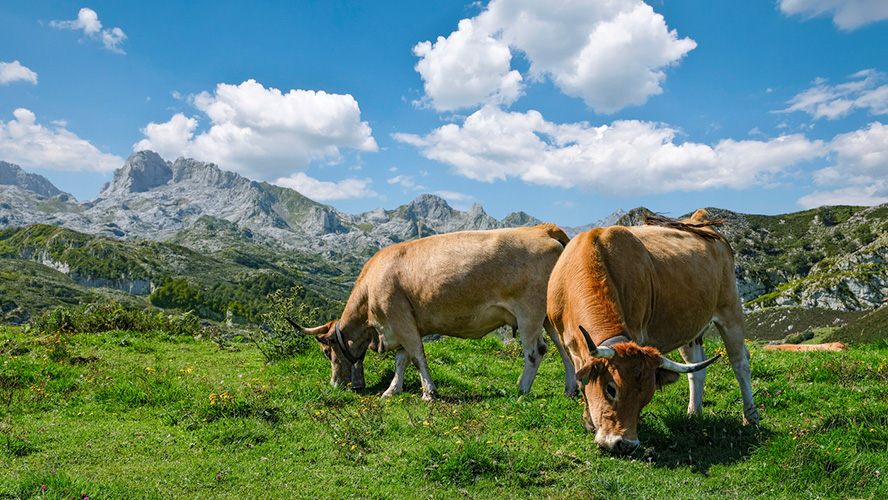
(619, 296)
(463, 284)
(829, 346)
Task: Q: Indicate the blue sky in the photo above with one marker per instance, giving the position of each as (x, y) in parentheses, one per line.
(567, 111)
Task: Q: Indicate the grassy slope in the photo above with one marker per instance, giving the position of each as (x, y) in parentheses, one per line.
(775, 323)
(871, 328)
(161, 417)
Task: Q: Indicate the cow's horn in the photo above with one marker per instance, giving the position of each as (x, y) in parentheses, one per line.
(668, 364)
(297, 327)
(596, 352)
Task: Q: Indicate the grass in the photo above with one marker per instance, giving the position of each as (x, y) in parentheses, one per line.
(126, 415)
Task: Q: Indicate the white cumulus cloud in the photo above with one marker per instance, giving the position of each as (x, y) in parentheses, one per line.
(327, 191)
(15, 72)
(88, 22)
(627, 157)
(847, 15)
(611, 54)
(860, 173)
(25, 142)
(261, 132)
(865, 90)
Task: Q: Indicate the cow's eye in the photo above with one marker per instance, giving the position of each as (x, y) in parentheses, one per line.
(611, 390)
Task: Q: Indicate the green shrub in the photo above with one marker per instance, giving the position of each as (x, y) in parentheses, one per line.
(108, 316)
(276, 338)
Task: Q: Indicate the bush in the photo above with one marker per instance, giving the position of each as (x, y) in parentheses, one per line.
(276, 338)
(105, 317)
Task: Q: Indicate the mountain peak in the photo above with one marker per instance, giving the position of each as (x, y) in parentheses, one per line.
(13, 175)
(141, 171)
(429, 206)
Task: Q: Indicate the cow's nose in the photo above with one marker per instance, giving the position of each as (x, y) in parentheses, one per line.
(625, 446)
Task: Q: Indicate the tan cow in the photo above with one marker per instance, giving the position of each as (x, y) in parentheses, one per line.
(637, 292)
(829, 346)
(463, 284)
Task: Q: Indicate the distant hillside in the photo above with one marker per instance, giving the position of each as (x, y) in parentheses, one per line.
(871, 328)
(831, 257)
(66, 264)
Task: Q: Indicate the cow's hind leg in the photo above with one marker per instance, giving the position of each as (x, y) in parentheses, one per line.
(694, 353)
(531, 333)
(731, 330)
(571, 389)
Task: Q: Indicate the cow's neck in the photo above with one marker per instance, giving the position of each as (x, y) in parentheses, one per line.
(619, 339)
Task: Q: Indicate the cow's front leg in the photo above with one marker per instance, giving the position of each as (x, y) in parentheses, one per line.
(694, 353)
(358, 382)
(397, 385)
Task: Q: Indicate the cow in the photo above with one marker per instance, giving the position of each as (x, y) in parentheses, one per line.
(620, 296)
(829, 346)
(463, 284)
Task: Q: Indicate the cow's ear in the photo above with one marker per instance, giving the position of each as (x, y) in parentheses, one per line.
(665, 377)
(584, 374)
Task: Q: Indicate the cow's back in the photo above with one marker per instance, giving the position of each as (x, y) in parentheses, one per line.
(693, 277)
(463, 284)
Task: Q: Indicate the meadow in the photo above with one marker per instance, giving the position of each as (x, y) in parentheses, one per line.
(164, 414)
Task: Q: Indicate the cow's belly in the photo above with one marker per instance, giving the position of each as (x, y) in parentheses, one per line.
(670, 339)
(472, 324)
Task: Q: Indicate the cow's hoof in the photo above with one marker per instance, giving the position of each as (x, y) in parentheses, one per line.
(430, 396)
(752, 418)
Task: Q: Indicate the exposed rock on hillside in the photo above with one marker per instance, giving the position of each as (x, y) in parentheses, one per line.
(828, 257)
(13, 175)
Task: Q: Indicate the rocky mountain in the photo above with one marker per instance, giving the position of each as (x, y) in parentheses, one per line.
(832, 257)
(13, 175)
(150, 198)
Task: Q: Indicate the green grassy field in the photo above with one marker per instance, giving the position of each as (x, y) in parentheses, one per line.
(125, 415)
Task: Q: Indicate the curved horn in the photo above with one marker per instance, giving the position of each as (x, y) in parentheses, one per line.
(596, 352)
(668, 364)
(314, 332)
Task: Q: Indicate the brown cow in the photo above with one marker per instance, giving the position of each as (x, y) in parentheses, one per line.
(463, 284)
(829, 346)
(640, 291)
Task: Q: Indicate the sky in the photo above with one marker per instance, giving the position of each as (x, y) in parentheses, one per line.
(565, 110)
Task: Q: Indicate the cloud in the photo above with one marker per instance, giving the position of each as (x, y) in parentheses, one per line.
(466, 68)
(27, 143)
(611, 54)
(627, 157)
(327, 191)
(407, 182)
(860, 173)
(847, 15)
(864, 90)
(15, 72)
(453, 196)
(88, 21)
(261, 132)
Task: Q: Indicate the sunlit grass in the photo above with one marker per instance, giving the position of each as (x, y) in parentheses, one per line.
(160, 416)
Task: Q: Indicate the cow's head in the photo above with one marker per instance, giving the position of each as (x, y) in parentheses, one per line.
(617, 383)
(346, 355)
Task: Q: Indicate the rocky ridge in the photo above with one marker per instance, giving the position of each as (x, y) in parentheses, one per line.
(831, 257)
